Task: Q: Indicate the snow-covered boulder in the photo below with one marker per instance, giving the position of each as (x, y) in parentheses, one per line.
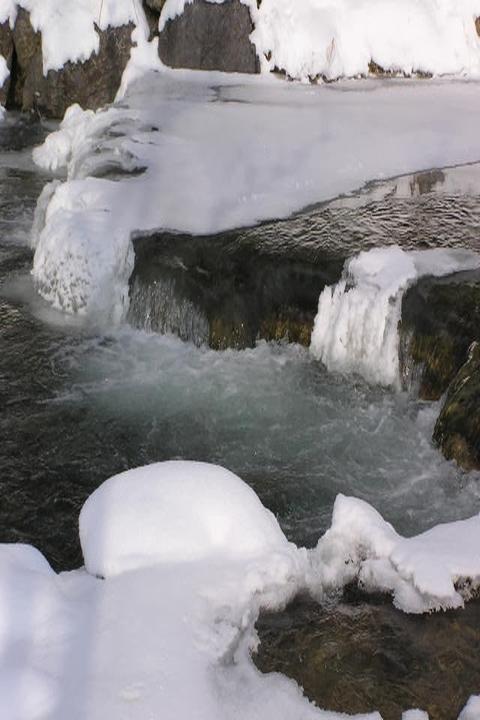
(174, 512)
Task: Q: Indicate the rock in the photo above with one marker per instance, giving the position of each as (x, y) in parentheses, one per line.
(224, 291)
(155, 4)
(6, 51)
(363, 654)
(477, 25)
(440, 320)
(457, 430)
(210, 36)
(92, 84)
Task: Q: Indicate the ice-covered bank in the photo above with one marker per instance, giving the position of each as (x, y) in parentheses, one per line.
(356, 328)
(212, 152)
(190, 556)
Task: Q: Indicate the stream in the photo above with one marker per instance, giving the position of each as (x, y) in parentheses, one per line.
(80, 403)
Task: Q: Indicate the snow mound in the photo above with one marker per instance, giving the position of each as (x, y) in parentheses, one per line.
(356, 327)
(312, 38)
(187, 511)
(423, 573)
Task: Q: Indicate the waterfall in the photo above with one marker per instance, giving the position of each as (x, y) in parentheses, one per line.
(356, 327)
(158, 307)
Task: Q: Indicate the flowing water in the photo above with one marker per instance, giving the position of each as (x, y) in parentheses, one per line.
(79, 403)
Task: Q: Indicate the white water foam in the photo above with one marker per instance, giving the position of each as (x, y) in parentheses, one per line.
(356, 327)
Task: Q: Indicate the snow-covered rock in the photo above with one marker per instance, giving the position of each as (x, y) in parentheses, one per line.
(188, 511)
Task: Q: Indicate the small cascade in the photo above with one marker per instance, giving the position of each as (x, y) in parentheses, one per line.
(356, 327)
(158, 307)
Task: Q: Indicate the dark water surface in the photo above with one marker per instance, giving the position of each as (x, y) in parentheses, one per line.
(78, 404)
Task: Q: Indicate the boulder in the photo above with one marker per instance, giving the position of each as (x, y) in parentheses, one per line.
(440, 320)
(6, 51)
(457, 431)
(92, 84)
(210, 36)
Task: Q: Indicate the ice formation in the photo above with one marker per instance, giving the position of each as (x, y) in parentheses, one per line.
(190, 557)
(210, 166)
(356, 328)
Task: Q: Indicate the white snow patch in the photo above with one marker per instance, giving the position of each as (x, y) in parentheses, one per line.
(310, 38)
(189, 511)
(4, 71)
(210, 166)
(356, 327)
(415, 715)
(471, 711)
(421, 572)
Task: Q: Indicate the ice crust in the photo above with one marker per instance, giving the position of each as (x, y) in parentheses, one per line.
(213, 159)
(190, 557)
(356, 327)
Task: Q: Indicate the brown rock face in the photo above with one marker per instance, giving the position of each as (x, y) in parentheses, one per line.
(92, 84)
(457, 430)
(209, 36)
(477, 25)
(6, 50)
(155, 4)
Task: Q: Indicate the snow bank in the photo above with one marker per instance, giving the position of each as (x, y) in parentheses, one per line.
(356, 327)
(423, 573)
(189, 511)
(312, 38)
(210, 166)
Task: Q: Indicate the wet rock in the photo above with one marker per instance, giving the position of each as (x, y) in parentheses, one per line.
(223, 292)
(92, 83)
(6, 50)
(361, 656)
(440, 320)
(210, 36)
(156, 5)
(457, 430)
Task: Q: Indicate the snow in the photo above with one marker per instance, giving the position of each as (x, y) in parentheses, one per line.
(471, 711)
(210, 166)
(190, 557)
(415, 715)
(423, 573)
(356, 327)
(189, 511)
(334, 39)
(68, 27)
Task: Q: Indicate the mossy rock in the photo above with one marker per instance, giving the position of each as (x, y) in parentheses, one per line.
(457, 430)
(440, 320)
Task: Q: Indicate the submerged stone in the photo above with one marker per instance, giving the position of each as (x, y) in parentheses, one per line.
(457, 430)
(361, 656)
(210, 36)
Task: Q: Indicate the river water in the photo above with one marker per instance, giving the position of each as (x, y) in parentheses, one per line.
(80, 403)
